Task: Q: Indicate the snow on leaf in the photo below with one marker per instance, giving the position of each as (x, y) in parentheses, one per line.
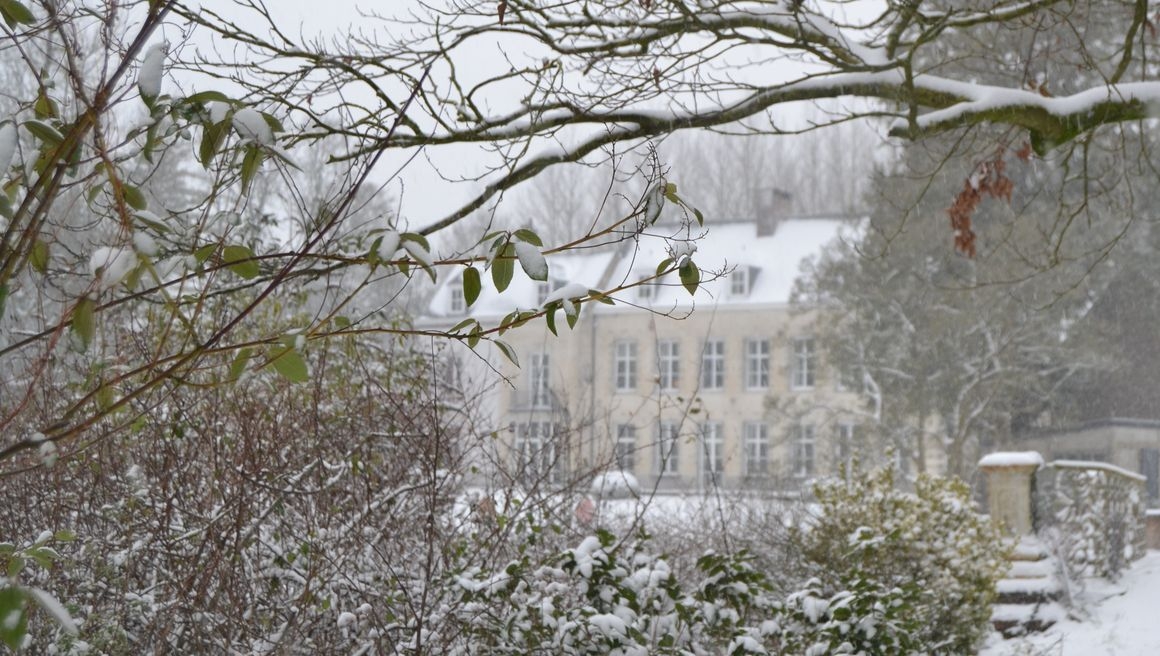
(532, 261)
(251, 125)
(218, 111)
(416, 251)
(145, 244)
(111, 265)
(572, 290)
(388, 245)
(54, 608)
(654, 203)
(152, 67)
(7, 146)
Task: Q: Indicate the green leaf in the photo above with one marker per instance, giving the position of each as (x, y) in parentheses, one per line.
(690, 276)
(473, 337)
(240, 260)
(44, 132)
(44, 106)
(3, 299)
(574, 315)
(212, 138)
(203, 97)
(523, 234)
(133, 197)
(664, 265)
(508, 352)
(16, 13)
(64, 536)
(202, 254)
(601, 297)
(472, 285)
(461, 325)
(700, 217)
(550, 317)
(12, 602)
(503, 268)
(238, 366)
(290, 364)
(250, 165)
(38, 256)
(15, 566)
(84, 321)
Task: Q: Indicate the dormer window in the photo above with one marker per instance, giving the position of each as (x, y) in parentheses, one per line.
(456, 303)
(741, 280)
(645, 291)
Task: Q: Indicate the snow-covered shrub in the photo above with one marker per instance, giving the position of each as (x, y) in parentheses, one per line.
(607, 598)
(930, 542)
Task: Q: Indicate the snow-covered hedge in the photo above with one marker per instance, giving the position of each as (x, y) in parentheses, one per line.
(930, 541)
(1094, 512)
(608, 598)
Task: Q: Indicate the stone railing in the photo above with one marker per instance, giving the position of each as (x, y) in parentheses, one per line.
(1097, 511)
(1094, 510)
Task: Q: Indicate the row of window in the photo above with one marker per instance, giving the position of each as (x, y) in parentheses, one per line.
(538, 452)
(755, 448)
(803, 364)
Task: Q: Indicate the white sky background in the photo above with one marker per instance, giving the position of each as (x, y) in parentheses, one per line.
(420, 191)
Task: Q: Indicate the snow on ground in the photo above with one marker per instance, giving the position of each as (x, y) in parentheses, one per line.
(1111, 619)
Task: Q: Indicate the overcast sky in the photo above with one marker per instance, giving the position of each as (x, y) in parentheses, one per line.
(419, 191)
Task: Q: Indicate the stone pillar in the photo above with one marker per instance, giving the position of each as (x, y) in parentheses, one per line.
(1009, 478)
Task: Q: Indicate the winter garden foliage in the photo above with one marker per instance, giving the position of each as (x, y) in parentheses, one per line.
(211, 395)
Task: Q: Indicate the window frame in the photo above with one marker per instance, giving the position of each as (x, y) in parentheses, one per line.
(712, 451)
(536, 451)
(540, 380)
(755, 439)
(804, 445)
(713, 365)
(668, 463)
(624, 365)
(803, 363)
(757, 363)
(625, 434)
(669, 364)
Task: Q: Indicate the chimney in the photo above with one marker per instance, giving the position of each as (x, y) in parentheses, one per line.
(775, 208)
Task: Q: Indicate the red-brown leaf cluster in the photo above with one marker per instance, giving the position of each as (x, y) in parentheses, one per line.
(988, 179)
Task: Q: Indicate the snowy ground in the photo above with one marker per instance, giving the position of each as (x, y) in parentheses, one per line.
(1112, 619)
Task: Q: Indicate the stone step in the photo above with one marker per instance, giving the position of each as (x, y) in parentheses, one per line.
(1029, 590)
(1018, 619)
(1028, 548)
(1031, 569)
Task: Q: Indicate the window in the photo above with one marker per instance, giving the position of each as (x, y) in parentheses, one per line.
(668, 451)
(625, 366)
(803, 363)
(756, 449)
(645, 291)
(669, 364)
(713, 365)
(539, 393)
(536, 452)
(626, 447)
(739, 281)
(712, 452)
(457, 303)
(803, 450)
(844, 442)
(756, 364)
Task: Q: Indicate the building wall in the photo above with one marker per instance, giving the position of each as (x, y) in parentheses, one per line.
(587, 399)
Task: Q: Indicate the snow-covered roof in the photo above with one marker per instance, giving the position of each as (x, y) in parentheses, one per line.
(770, 263)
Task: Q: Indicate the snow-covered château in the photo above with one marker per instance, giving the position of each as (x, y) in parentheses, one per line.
(726, 387)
